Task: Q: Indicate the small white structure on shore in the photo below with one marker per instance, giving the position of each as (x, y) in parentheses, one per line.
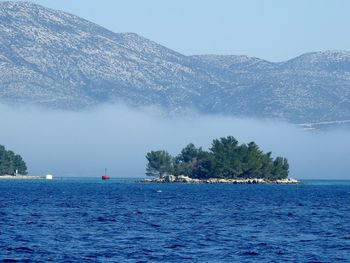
(49, 177)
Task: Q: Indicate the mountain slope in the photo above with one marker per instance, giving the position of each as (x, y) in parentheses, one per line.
(55, 59)
(63, 59)
(312, 87)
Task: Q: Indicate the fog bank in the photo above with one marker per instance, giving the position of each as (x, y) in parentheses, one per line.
(84, 143)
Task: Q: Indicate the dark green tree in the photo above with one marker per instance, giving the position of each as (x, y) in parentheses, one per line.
(266, 166)
(159, 163)
(10, 162)
(193, 162)
(280, 168)
(186, 161)
(19, 164)
(203, 166)
(226, 155)
(252, 161)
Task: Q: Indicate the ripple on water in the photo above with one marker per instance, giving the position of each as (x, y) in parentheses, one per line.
(76, 221)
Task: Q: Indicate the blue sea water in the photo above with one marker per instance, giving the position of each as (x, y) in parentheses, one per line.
(90, 220)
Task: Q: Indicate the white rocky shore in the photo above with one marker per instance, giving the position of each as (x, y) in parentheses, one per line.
(188, 180)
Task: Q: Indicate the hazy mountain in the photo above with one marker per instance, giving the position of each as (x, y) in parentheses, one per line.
(52, 58)
(312, 87)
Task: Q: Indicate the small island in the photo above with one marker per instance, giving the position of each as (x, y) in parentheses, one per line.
(226, 161)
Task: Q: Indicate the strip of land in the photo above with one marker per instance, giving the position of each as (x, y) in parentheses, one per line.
(20, 177)
(188, 180)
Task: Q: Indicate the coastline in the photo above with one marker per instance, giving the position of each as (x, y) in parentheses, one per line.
(20, 177)
(188, 180)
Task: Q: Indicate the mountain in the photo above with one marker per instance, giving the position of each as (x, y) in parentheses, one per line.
(52, 58)
(311, 88)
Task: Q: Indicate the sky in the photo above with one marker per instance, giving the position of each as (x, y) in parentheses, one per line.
(274, 30)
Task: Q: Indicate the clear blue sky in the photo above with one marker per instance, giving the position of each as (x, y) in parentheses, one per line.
(275, 30)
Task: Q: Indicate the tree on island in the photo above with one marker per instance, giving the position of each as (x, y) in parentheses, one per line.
(226, 159)
(159, 164)
(10, 162)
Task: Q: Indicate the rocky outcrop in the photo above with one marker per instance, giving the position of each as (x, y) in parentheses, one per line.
(188, 180)
(287, 181)
(169, 178)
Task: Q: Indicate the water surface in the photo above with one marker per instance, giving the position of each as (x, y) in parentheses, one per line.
(81, 220)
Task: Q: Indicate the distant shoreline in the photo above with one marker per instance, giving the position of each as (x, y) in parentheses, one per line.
(21, 177)
(188, 180)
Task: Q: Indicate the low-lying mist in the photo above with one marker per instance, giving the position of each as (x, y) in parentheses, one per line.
(83, 143)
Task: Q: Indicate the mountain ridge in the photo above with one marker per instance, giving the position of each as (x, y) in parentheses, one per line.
(52, 58)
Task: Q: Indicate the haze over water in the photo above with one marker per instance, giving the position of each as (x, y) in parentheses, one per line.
(83, 143)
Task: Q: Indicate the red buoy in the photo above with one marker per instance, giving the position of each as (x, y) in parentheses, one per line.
(105, 177)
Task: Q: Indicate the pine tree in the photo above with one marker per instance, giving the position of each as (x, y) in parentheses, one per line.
(159, 163)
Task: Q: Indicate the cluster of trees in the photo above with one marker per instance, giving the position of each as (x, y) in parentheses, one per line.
(225, 159)
(10, 162)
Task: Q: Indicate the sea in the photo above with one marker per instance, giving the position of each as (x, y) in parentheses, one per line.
(120, 220)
